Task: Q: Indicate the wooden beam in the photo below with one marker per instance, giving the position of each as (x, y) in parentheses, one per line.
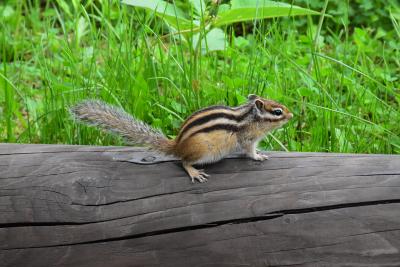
(89, 206)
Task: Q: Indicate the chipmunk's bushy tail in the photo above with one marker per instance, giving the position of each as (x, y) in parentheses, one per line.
(115, 120)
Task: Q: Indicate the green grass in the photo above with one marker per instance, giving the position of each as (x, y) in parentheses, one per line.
(56, 53)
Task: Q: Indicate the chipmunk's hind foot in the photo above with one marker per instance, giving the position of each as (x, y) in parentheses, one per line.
(195, 174)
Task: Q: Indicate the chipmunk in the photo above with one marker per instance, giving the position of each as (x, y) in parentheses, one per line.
(206, 136)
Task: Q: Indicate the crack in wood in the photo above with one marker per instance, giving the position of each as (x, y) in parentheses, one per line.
(376, 174)
(195, 191)
(267, 216)
(130, 200)
(301, 248)
(374, 232)
(294, 264)
(334, 207)
(39, 175)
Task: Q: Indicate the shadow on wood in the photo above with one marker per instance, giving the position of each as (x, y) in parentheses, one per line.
(88, 206)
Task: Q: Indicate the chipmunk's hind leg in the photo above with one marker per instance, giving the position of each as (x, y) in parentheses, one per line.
(194, 173)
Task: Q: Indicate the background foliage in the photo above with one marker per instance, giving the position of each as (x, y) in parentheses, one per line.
(343, 87)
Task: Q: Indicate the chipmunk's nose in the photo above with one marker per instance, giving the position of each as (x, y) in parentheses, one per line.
(290, 115)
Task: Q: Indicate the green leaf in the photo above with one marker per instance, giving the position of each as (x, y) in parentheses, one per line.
(7, 12)
(64, 6)
(81, 29)
(240, 99)
(199, 6)
(170, 13)
(244, 10)
(241, 42)
(307, 91)
(213, 41)
(223, 8)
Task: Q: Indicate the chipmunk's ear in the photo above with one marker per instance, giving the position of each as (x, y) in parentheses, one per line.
(259, 104)
(252, 97)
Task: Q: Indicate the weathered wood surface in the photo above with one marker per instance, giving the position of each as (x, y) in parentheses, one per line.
(79, 206)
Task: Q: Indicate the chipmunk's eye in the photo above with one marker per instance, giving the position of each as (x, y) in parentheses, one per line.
(277, 112)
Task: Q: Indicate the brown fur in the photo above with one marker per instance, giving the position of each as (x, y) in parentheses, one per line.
(206, 145)
(205, 141)
(184, 132)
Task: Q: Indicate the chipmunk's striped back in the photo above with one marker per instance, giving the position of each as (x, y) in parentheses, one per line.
(215, 118)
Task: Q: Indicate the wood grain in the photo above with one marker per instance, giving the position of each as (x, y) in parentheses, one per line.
(84, 206)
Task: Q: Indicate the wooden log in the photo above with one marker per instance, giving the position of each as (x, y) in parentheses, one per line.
(92, 206)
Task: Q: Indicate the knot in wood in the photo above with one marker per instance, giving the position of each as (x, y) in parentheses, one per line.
(148, 159)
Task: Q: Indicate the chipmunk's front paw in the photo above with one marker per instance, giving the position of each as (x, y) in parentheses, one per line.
(259, 157)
